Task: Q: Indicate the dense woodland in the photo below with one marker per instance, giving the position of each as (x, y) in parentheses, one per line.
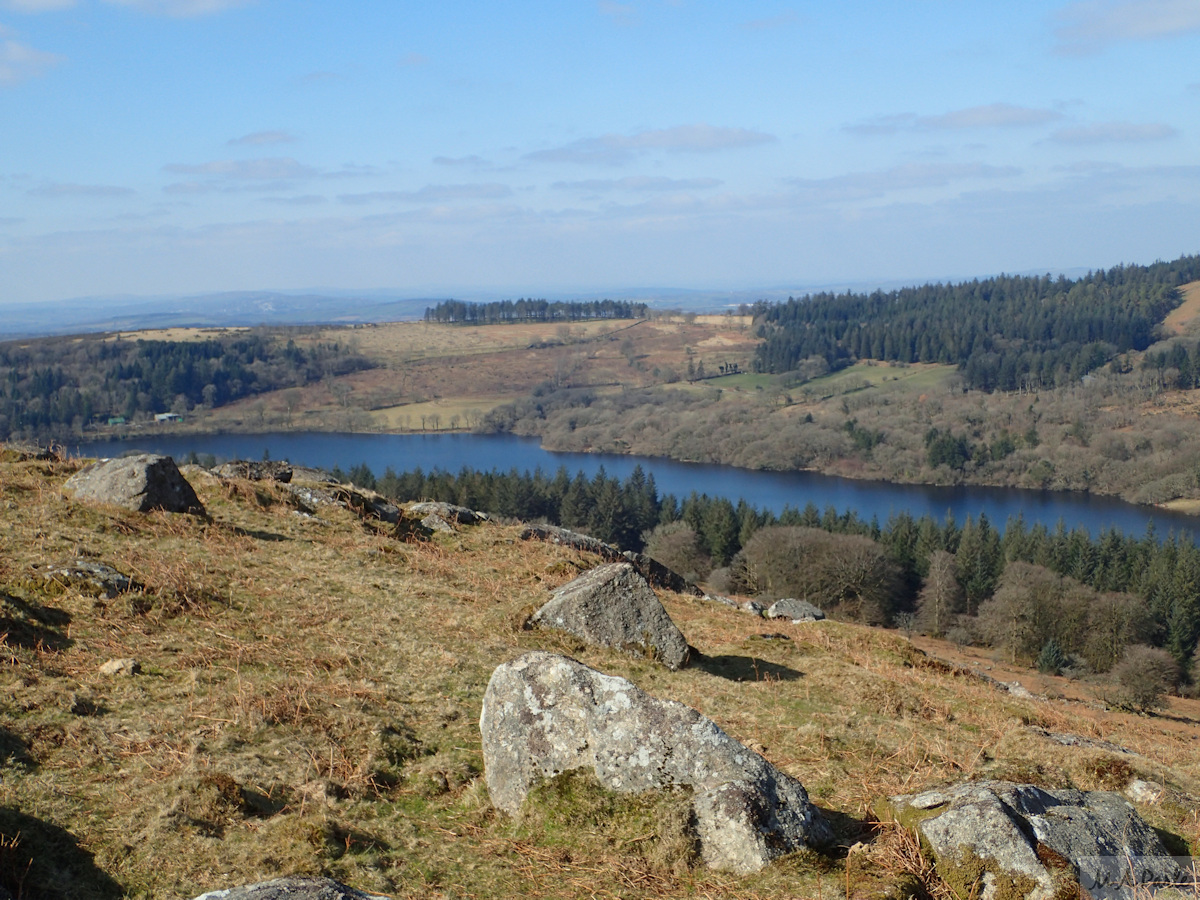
(503, 312)
(1055, 598)
(55, 387)
(1006, 333)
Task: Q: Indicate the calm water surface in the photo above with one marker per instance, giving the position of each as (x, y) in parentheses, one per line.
(766, 490)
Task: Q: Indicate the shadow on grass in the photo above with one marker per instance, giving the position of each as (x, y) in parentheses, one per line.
(14, 750)
(268, 536)
(848, 830)
(743, 668)
(38, 859)
(32, 626)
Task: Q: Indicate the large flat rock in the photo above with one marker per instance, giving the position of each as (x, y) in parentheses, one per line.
(140, 483)
(998, 840)
(545, 714)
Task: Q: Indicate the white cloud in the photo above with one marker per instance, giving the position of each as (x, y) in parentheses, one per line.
(780, 21)
(19, 62)
(262, 138)
(267, 169)
(183, 9)
(302, 200)
(1114, 132)
(870, 185)
(432, 193)
(473, 161)
(638, 183)
(620, 13)
(992, 115)
(98, 191)
(617, 149)
(1087, 26)
(36, 6)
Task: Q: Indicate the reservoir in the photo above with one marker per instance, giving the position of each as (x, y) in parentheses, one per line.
(763, 489)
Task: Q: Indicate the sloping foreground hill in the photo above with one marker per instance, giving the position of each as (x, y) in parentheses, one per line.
(309, 687)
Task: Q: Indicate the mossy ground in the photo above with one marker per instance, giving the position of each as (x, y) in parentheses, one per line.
(309, 695)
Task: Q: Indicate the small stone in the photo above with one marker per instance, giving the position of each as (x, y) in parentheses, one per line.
(1144, 792)
(125, 667)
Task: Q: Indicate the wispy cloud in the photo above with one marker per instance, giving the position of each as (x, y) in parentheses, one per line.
(267, 169)
(780, 21)
(97, 191)
(432, 193)
(262, 138)
(19, 62)
(637, 183)
(302, 200)
(182, 9)
(36, 6)
(469, 161)
(1114, 132)
(620, 13)
(869, 185)
(1088, 26)
(617, 149)
(992, 115)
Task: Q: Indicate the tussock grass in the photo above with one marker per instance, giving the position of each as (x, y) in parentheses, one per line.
(310, 693)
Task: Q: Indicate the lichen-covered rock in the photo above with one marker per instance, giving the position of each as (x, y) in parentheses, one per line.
(296, 887)
(545, 714)
(651, 569)
(449, 512)
(141, 483)
(125, 667)
(256, 470)
(796, 610)
(434, 522)
(1002, 841)
(89, 577)
(364, 503)
(613, 606)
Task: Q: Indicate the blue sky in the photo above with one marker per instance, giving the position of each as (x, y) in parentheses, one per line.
(534, 148)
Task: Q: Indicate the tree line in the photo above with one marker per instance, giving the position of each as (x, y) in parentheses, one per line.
(57, 386)
(1005, 333)
(459, 312)
(1022, 590)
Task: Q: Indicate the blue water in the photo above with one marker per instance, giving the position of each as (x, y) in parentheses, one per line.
(766, 490)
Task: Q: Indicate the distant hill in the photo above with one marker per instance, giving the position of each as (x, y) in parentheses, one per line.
(204, 310)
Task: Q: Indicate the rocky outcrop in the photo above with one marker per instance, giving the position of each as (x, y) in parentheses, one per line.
(141, 483)
(651, 569)
(545, 714)
(796, 610)
(614, 606)
(366, 504)
(1002, 840)
(296, 887)
(253, 470)
(448, 512)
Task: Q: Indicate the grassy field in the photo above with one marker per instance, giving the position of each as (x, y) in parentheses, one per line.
(310, 688)
(449, 370)
(917, 378)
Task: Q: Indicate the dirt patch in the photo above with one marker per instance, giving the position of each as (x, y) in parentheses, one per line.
(1184, 314)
